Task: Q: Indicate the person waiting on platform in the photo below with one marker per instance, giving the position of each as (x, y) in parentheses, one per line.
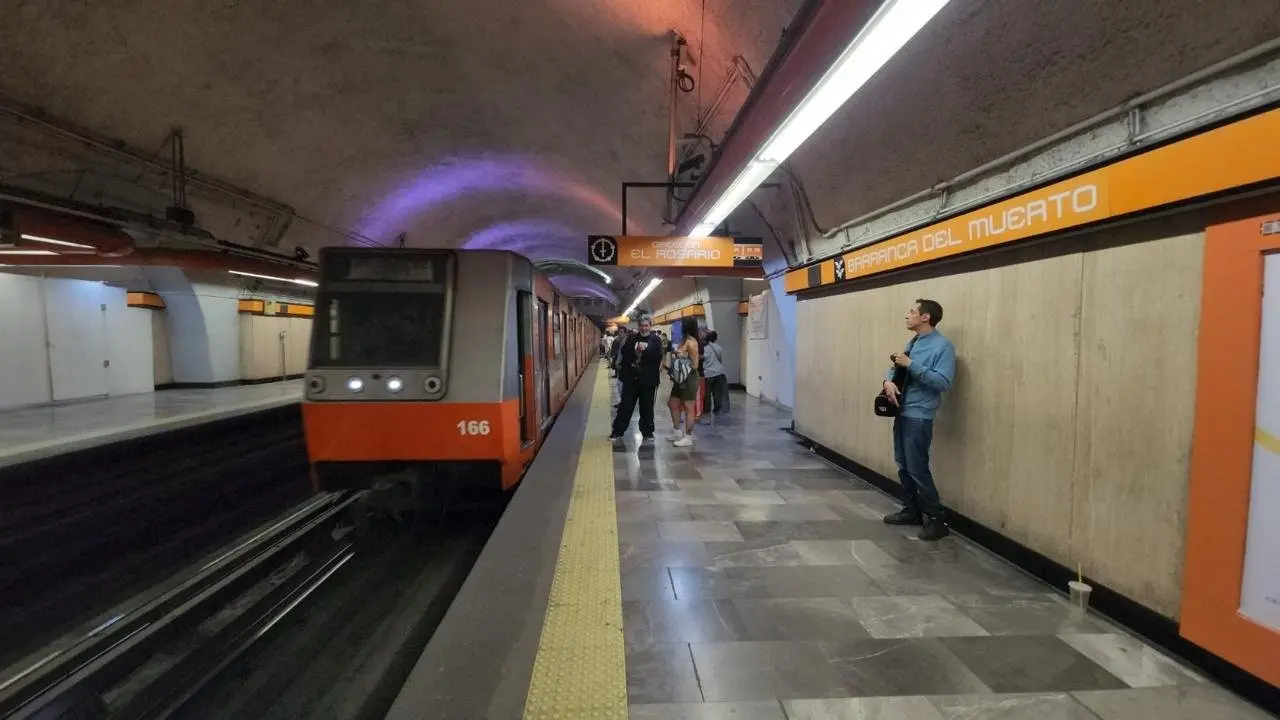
(713, 371)
(639, 360)
(684, 383)
(930, 365)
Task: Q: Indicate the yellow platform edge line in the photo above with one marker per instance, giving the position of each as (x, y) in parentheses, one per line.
(580, 669)
(1267, 441)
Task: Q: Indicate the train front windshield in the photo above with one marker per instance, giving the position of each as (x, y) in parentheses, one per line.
(378, 314)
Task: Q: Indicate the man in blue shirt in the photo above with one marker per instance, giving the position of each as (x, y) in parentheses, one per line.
(930, 365)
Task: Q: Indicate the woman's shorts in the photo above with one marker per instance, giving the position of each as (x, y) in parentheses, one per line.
(687, 390)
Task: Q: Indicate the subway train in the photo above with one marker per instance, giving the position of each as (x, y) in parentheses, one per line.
(434, 372)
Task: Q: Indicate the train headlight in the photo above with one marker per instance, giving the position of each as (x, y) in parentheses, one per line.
(432, 385)
(394, 384)
(355, 384)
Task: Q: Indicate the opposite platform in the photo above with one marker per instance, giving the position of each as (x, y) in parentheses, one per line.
(36, 433)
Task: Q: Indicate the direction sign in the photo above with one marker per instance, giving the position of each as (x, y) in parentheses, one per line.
(667, 251)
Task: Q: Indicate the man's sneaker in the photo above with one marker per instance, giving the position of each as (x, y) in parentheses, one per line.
(933, 530)
(904, 517)
(646, 438)
(615, 438)
(686, 441)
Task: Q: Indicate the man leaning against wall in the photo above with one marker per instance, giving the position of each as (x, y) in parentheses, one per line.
(930, 364)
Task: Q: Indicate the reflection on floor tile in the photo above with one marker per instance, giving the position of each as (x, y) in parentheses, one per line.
(1185, 702)
(753, 553)
(704, 530)
(656, 553)
(764, 671)
(773, 582)
(659, 622)
(1030, 663)
(912, 616)
(917, 666)
(1030, 706)
(1044, 614)
(1131, 660)
(662, 674)
(755, 577)
(765, 710)
(797, 619)
(889, 708)
(865, 553)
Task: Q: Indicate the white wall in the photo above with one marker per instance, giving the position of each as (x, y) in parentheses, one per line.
(770, 365)
(204, 333)
(68, 339)
(24, 357)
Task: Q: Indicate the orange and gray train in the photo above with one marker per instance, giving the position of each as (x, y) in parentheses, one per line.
(447, 365)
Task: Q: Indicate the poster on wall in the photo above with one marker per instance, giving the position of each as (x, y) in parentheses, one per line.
(758, 317)
(1260, 590)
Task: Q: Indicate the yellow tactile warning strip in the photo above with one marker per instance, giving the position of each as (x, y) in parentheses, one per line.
(580, 670)
(1267, 441)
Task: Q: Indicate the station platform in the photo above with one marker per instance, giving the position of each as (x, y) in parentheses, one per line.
(746, 578)
(29, 434)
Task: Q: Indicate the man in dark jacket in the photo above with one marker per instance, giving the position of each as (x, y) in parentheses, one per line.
(639, 361)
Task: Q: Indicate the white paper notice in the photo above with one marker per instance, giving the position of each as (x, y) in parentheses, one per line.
(1260, 591)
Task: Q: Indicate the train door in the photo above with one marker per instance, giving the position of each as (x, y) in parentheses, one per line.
(544, 382)
(524, 357)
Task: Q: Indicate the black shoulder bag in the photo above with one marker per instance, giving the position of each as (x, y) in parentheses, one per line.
(883, 406)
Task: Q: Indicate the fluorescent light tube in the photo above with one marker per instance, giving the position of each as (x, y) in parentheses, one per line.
(893, 25)
(643, 294)
(297, 281)
(51, 241)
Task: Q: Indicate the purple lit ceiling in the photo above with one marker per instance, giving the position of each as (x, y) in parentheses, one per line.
(505, 123)
(512, 123)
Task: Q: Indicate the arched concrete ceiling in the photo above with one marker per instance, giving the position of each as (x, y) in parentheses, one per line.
(988, 77)
(499, 122)
(503, 123)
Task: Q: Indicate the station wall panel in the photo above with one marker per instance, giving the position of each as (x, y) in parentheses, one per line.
(1069, 425)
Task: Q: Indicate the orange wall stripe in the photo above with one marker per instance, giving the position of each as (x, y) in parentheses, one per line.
(1190, 168)
(1222, 446)
(145, 300)
(251, 306)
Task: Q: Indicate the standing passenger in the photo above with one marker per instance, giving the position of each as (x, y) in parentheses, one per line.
(684, 379)
(713, 371)
(638, 363)
(930, 362)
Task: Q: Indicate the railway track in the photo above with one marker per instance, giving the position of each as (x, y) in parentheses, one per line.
(147, 661)
(82, 532)
(304, 618)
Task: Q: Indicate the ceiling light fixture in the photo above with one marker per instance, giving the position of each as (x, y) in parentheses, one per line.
(51, 241)
(643, 294)
(892, 26)
(27, 252)
(296, 281)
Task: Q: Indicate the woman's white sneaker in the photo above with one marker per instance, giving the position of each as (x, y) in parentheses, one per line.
(686, 441)
(675, 436)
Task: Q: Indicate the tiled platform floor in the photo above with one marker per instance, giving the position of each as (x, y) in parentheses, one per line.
(33, 433)
(759, 583)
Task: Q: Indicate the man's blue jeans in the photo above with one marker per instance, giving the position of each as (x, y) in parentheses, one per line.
(911, 440)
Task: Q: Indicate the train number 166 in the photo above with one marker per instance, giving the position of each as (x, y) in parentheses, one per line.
(473, 427)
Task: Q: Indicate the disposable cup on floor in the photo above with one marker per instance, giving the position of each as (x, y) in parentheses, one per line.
(1079, 595)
